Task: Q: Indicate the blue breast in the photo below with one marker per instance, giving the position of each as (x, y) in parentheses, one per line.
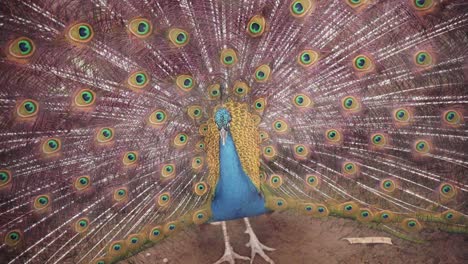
(235, 195)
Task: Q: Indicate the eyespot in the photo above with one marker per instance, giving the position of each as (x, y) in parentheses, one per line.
(263, 136)
(388, 185)
(280, 126)
(81, 33)
(269, 152)
(185, 82)
(170, 228)
(41, 202)
(423, 59)
(200, 146)
(130, 158)
(197, 163)
(278, 204)
(411, 225)
(333, 135)
(201, 216)
(256, 26)
(307, 58)
(203, 129)
(256, 119)
(181, 139)
(120, 194)
(356, 3)
(85, 98)
(321, 211)
(240, 88)
(100, 261)
(386, 216)
(140, 27)
(350, 103)
(301, 151)
(214, 91)
(362, 63)
(307, 208)
(300, 8)
(168, 171)
(156, 234)
(164, 199)
(378, 140)
(105, 135)
(179, 37)
(158, 117)
(423, 5)
(135, 240)
(5, 178)
(276, 181)
(13, 238)
(451, 216)
(262, 73)
(195, 112)
(22, 48)
(138, 80)
(422, 146)
(447, 190)
(350, 168)
(82, 182)
(349, 208)
(117, 248)
(452, 117)
(312, 180)
(51, 146)
(200, 188)
(302, 101)
(401, 115)
(81, 225)
(27, 108)
(263, 177)
(365, 215)
(260, 104)
(228, 57)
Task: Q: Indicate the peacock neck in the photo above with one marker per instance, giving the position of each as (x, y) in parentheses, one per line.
(235, 194)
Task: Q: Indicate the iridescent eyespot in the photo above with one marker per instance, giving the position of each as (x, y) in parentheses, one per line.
(41, 202)
(156, 233)
(308, 208)
(228, 57)
(164, 199)
(263, 136)
(130, 158)
(5, 178)
(422, 146)
(81, 225)
(200, 146)
(350, 103)
(134, 240)
(280, 126)
(185, 82)
(195, 112)
(411, 225)
(401, 115)
(278, 204)
(349, 208)
(301, 151)
(260, 104)
(262, 73)
(356, 3)
(100, 261)
(105, 135)
(82, 182)
(199, 217)
(451, 216)
(51, 146)
(386, 216)
(333, 135)
(312, 180)
(350, 168)
(378, 140)
(179, 37)
(120, 194)
(158, 118)
(365, 215)
(300, 8)
(362, 63)
(180, 139)
(200, 188)
(140, 27)
(256, 26)
(452, 117)
(423, 5)
(170, 227)
(197, 163)
(302, 101)
(203, 129)
(423, 59)
(275, 181)
(321, 211)
(13, 238)
(240, 88)
(269, 152)
(447, 191)
(388, 185)
(27, 108)
(214, 91)
(85, 98)
(117, 248)
(168, 170)
(22, 48)
(81, 33)
(138, 80)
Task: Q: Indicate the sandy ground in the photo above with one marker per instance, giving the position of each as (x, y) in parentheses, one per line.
(301, 239)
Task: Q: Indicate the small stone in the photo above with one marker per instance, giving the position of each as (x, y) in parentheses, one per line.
(165, 260)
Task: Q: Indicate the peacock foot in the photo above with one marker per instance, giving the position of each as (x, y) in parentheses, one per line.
(255, 245)
(229, 255)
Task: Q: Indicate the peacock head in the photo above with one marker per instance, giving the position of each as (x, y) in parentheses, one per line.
(222, 119)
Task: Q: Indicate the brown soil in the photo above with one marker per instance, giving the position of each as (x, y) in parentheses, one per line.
(301, 239)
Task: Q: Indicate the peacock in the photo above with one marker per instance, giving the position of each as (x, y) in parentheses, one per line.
(124, 122)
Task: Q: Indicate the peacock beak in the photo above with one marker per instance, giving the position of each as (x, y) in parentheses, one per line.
(223, 133)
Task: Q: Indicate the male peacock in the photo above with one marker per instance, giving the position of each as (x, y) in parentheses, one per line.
(125, 121)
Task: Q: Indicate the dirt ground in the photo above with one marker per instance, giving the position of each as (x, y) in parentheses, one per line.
(301, 239)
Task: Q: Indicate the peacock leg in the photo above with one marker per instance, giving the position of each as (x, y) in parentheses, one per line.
(229, 254)
(255, 245)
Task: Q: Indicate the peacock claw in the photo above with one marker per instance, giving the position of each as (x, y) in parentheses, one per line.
(229, 255)
(255, 245)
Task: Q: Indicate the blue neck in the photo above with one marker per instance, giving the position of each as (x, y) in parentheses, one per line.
(235, 195)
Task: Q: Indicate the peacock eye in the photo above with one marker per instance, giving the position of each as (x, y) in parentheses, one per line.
(130, 158)
(401, 115)
(214, 91)
(185, 82)
(120, 194)
(228, 57)
(179, 37)
(27, 108)
(197, 163)
(349, 168)
(256, 26)
(195, 112)
(355, 3)
(379, 140)
(276, 181)
(85, 98)
(181, 139)
(51, 146)
(362, 63)
(140, 27)
(333, 135)
(422, 146)
(168, 170)
(138, 80)
(13, 238)
(364, 214)
(5, 178)
(447, 191)
(105, 135)
(350, 103)
(158, 117)
(452, 117)
(81, 225)
(164, 199)
(280, 126)
(21, 48)
(348, 207)
(82, 182)
(423, 5)
(81, 33)
(302, 101)
(41, 202)
(423, 59)
(312, 180)
(269, 152)
(301, 151)
(241, 88)
(259, 104)
(388, 185)
(262, 73)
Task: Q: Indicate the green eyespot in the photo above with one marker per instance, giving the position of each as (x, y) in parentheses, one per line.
(280, 126)
(41, 202)
(228, 57)
(262, 73)
(13, 238)
(312, 180)
(180, 140)
(200, 188)
(423, 59)
(256, 26)
(130, 158)
(401, 115)
(379, 140)
(81, 33)
(51, 146)
(5, 178)
(276, 181)
(179, 37)
(240, 88)
(140, 27)
(333, 136)
(21, 48)
(363, 63)
(164, 199)
(350, 168)
(452, 117)
(168, 170)
(350, 103)
(422, 146)
(300, 8)
(138, 80)
(82, 182)
(423, 5)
